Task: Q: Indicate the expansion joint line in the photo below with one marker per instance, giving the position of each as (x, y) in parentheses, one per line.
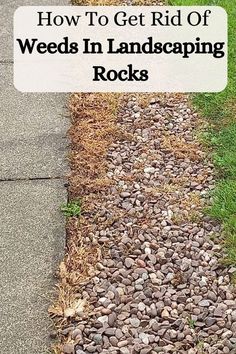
(31, 179)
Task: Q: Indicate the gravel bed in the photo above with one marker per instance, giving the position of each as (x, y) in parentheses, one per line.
(160, 286)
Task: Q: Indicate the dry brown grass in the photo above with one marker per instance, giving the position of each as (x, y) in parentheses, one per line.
(165, 188)
(180, 148)
(147, 2)
(93, 129)
(145, 98)
(116, 2)
(190, 206)
(97, 2)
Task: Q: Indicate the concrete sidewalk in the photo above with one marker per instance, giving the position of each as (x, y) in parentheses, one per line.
(32, 234)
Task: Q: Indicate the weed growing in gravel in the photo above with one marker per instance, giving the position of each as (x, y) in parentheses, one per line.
(72, 208)
(191, 323)
(200, 347)
(179, 148)
(233, 278)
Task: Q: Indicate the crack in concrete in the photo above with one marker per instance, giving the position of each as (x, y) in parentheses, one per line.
(31, 179)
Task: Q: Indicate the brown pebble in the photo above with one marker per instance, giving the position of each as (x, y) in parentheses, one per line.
(123, 343)
(68, 348)
(114, 341)
(112, 319)
(106, 311)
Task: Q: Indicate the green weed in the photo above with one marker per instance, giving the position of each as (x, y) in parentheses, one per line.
(200, 347)
(72, 208)
(191, 323)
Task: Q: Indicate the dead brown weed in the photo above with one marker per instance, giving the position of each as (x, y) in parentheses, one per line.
(93, 130)
(180, 148)
(97, 2)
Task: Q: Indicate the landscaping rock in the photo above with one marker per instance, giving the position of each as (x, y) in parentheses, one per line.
(160, 286)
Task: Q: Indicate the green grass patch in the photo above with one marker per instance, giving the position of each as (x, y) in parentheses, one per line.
(224, 155)
(224, 207)
(220, 111)
(72, 208)
(224, 210)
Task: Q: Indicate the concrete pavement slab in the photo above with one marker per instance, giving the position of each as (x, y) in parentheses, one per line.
(32, 130)
(32, 233)
(31, 243)
(7, 9)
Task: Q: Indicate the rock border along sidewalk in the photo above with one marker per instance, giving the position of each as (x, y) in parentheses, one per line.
(159, 285)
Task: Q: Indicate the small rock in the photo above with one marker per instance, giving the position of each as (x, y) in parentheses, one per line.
(165, 314)
(144, 337)
(146, 350)
(204, 303)
(112, 319)
(135, 322)
(68, 348)
(53, 334)
(110, 331)
(141, 306)
(123, 343)
(103, 319)
(91, 349)
(220, 310)
(141, 263)
(233, 314)
(76, 333)
(97, 338)
(125, 194)
(129, 262)
(212, 296)
(210, 321)
(119, 334)
(113, 341)
(149, 170)
(79, 351)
